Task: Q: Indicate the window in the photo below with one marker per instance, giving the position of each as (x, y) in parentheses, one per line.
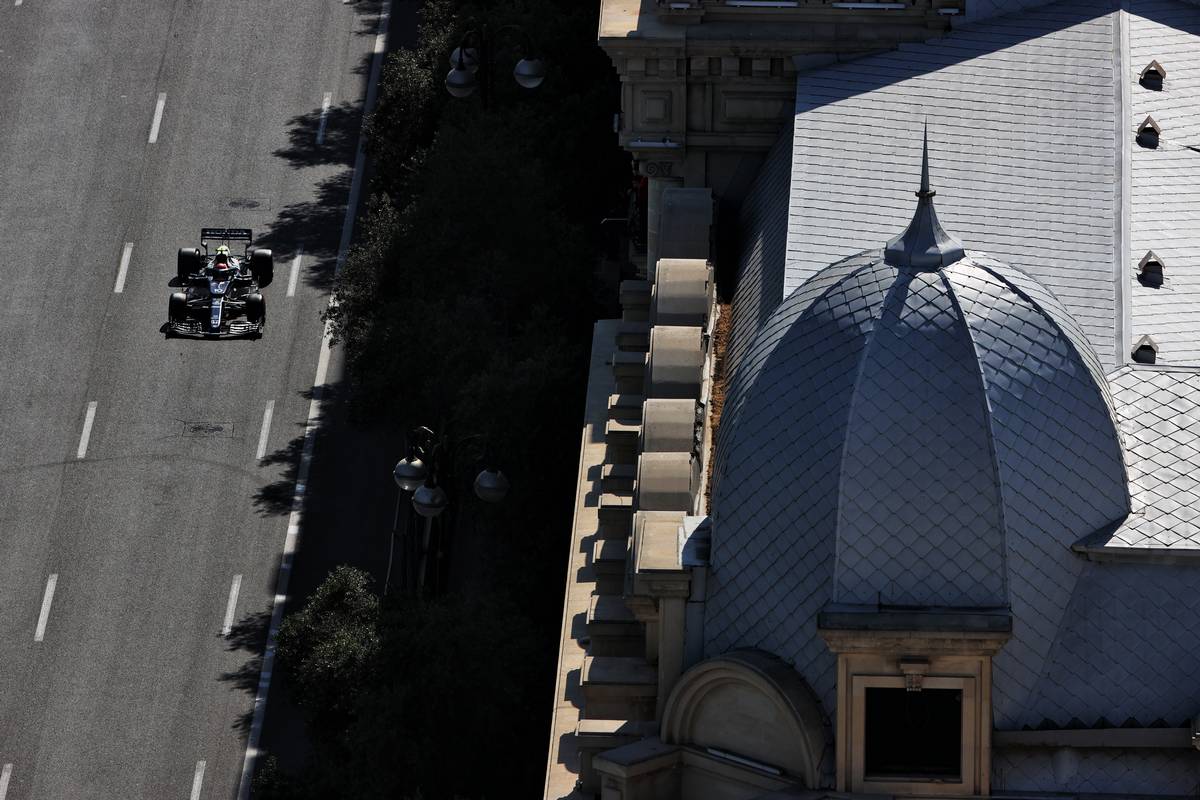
(913, 741)
(913, 735)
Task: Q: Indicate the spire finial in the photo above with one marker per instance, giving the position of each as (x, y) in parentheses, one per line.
(924, 245)
(925, 191)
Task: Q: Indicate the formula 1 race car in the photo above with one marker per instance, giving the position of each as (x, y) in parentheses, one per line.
(221, 292)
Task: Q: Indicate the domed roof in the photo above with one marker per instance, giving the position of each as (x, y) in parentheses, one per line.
(896, 421)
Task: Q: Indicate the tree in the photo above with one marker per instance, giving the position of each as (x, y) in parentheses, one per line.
(328, 650)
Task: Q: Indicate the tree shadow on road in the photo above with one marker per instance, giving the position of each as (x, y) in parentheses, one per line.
(276, 497)
(338, 137)
(313, 224)
(248, 635)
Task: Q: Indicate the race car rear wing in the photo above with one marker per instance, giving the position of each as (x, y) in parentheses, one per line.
(226, 234)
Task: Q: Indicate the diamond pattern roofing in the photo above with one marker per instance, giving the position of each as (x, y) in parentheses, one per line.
(1159, 411)
(1022, 117)
(909, 437)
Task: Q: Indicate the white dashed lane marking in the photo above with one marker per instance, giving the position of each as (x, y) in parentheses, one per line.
(158, 113)
(88, 419)
(295, 276)
(47, 600)
(266, 430)
(231, 605)
(123, 270)
(310, 430)
(6, 773)
(325, 103)
(198, 780)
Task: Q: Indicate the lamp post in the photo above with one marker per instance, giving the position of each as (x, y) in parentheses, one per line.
(419, 474)
(476, 51)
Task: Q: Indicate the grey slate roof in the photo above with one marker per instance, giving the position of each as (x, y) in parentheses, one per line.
(979, 10)
(1112, 773)
(1128, 647)
(1022, 125)
(1165, 191)
(1159, 412)
(1030, 142)
(763, 235)
(912, 437)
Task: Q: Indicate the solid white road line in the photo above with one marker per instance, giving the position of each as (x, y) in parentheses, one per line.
(291, 292)
(198, 780)
(123, 270)
(88, 419)
(325, 103)
(47, 599)
(6, 773)
(266, 430)
(158, 112)
(231, 606)
(310, 430)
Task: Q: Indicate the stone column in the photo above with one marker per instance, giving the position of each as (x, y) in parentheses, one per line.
(670, 647)
(653, 216)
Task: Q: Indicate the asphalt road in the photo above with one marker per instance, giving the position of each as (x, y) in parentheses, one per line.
(138, 480)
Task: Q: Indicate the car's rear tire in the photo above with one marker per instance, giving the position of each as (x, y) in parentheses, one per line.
(188, 263)
(256, 308)
(177, 307)
(262, 266)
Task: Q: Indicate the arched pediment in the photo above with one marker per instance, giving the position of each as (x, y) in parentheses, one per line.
(751, 704)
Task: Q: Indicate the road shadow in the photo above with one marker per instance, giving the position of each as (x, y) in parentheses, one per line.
(275, 498)
(317, 137)
(368, 15)
(248, 635)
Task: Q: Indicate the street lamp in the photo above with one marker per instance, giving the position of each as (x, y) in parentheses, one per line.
(409, 473)
(475, 51)
(418, 474)
(430, 501)
(491, 485)
(530, 72)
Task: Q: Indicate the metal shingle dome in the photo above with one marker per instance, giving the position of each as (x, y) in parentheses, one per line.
(904, 432)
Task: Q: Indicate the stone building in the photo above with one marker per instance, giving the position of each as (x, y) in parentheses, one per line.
(917, 512)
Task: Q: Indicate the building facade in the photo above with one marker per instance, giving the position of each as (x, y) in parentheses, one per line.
(917, 513)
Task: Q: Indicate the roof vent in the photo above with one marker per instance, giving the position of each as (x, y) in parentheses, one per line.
(1150, 270)
(1152, 77)
(1148, 131)
(1145, 351)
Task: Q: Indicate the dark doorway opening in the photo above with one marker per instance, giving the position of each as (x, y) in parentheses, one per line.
(913, 735)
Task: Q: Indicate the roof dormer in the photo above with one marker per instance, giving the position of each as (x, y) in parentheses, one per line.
(1152, 77)
(1145, 350)
(1148, 133)
(1150, 270)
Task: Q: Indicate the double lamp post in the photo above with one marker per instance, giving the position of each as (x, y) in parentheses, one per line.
(476, 53)
(421, 473)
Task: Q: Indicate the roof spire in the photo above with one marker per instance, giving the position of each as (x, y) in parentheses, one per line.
(924, 245)
(925, 191)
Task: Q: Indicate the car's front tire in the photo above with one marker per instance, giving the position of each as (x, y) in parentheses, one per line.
(262, 266)
(256, 309)
(188, 263)
(177, 307)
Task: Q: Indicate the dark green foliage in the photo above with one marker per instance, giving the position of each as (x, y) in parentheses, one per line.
(328, 649)
(442, 675)
(466, 304)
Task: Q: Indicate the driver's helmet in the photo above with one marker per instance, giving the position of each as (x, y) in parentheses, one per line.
(222, 255)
